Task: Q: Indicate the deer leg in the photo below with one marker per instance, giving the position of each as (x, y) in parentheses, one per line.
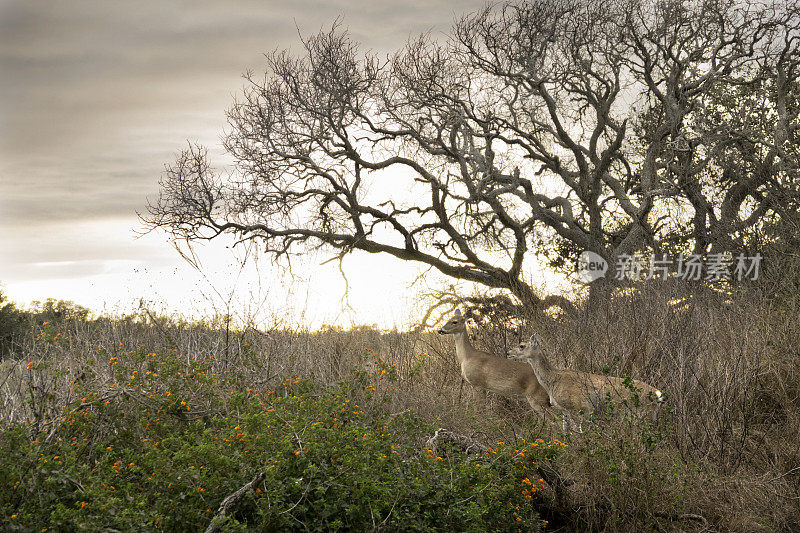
(481, 399)
(541, 409)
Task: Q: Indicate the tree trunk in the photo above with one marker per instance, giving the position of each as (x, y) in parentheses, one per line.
(600, 292)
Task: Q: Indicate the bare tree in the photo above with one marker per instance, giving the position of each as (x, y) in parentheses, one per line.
(562, 126)
(721, 125)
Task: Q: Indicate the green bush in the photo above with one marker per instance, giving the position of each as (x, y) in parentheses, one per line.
(163, 443)
(12, 326)
(58, 311)
(17, 325)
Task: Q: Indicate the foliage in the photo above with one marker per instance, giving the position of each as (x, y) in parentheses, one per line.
(16, 323)
(52, 310)
(168, 439)
(11, 325)
(723, 456)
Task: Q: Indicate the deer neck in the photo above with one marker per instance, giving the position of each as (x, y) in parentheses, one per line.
(464, 349)
(545, 372)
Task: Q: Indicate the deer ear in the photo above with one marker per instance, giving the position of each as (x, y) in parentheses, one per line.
(458, 313)
(536, 340)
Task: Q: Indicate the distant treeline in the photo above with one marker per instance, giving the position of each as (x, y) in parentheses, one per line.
(16, 322)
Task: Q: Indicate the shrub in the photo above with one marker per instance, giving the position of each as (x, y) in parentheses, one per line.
(167, 439)
(12, 326)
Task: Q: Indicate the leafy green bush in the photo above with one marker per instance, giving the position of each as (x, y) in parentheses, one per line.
(58, 311)
(12, 325)
(633, 479)
(18, 325)
(167, 439)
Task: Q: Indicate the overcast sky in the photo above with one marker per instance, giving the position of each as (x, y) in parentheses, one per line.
(95, 97)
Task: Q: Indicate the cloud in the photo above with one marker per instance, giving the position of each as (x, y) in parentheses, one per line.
(76, 248)
(49, 270)
(96, 97)
(82, 81)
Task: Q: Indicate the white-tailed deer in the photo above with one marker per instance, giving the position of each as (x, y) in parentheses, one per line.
(485, 371)
(574, 392)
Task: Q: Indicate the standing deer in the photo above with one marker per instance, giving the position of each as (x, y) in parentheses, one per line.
(487, 372)
(574, 392)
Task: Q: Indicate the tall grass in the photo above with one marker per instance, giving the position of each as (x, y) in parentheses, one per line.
(725, 455)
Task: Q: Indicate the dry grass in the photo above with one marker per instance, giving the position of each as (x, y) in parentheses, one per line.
(727, 457)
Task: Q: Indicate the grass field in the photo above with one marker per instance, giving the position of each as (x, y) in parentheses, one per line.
(149, 423)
